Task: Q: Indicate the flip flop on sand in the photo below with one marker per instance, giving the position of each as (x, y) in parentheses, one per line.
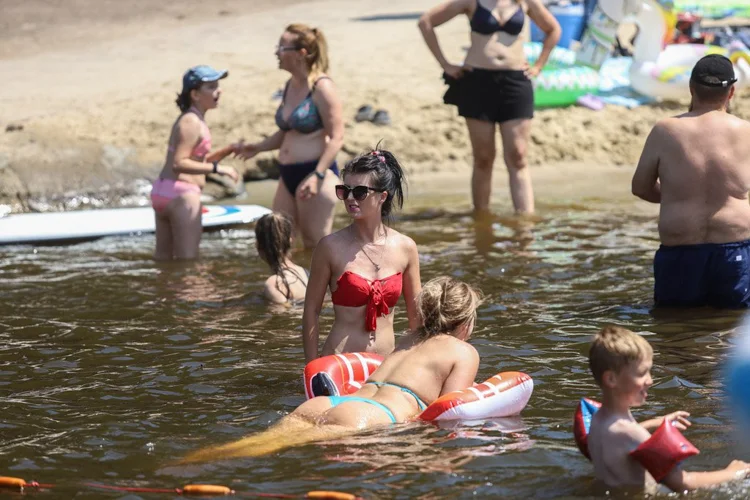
(381, 117)
(364, 114)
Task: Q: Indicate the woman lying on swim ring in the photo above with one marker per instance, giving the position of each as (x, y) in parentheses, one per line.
(367, 265)
(427, 364)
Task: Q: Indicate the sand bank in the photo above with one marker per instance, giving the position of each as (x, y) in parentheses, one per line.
(92, 106)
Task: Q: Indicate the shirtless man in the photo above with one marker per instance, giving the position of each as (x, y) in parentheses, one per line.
(697, 165)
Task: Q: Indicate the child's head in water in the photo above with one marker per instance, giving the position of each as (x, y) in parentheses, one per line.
(620, 362)
(448, 306)
(273, 239)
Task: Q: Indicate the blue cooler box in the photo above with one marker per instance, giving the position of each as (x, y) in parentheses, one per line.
(571, 17)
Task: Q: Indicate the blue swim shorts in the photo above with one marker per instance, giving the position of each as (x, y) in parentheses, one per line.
(709, 274)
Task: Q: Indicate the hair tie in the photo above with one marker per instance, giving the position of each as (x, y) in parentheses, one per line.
(380, 157)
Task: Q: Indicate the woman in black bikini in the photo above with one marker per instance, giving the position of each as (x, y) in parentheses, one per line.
(311, 133)
(494, 86)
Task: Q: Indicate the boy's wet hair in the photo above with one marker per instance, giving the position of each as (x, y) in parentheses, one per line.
(615, 347)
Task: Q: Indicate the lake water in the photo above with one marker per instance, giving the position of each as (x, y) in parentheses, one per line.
(112, 367)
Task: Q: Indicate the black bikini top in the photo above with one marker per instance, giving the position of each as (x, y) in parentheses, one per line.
(485, 23)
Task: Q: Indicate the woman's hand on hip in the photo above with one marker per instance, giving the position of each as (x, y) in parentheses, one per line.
(309, 187)
(455, 71)
(531, 71)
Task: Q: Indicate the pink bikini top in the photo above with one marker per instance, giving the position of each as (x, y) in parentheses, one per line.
(203, 147)
(352, 290)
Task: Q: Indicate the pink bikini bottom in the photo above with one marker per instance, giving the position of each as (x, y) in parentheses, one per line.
(165, 190)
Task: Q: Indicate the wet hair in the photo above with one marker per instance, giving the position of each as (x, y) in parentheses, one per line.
(613, 348)
(445, 304)
(313, 41)
(386, 174)
(273, 232)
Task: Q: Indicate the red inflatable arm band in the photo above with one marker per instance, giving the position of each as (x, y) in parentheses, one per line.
(663, 450)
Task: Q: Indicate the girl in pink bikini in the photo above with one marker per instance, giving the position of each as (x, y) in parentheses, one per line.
(175, 195)
(367, 265)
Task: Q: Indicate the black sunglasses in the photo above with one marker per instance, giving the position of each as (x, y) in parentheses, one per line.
(358, 192)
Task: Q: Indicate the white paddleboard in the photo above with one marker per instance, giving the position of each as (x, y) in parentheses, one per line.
(81, 225)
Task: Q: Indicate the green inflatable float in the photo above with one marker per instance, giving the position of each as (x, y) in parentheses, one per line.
(562, 81)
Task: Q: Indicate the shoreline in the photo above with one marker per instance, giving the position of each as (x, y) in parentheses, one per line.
(91, 116)
(447, 191)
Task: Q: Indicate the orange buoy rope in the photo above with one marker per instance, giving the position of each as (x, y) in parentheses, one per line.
(206, 489)
(17, 483)
(12, 482)
(330, 495)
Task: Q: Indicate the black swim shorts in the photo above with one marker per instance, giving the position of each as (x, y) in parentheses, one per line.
(491, 95)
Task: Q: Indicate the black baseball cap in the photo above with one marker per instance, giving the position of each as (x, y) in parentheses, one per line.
(713, 70)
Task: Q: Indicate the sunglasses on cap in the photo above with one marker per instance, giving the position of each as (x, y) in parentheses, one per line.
(358, 192)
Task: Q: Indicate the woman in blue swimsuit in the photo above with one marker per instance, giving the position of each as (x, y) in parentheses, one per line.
(310, 134)
(426, 364)
(493, 86)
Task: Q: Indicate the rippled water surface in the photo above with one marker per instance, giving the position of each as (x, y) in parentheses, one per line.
(112, 367)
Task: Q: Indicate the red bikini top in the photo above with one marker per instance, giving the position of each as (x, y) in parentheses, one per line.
(352, 290)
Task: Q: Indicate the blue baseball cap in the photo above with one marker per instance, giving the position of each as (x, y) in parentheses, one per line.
(196, 75)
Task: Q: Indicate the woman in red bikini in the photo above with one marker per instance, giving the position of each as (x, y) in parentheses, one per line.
(367, 265)
(176, 194)
(309, 136)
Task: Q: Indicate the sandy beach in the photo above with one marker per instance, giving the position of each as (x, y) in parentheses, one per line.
(91, 105)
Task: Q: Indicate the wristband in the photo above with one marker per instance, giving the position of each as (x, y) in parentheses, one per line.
(320, 175)
(216, 167)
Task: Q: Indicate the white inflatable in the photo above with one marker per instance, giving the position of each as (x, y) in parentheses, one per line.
(657, 71)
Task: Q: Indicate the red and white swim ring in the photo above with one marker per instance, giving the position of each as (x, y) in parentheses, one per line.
(339, 374)
(502, 395)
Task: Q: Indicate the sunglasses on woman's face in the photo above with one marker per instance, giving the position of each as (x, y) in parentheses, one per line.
(358, 192)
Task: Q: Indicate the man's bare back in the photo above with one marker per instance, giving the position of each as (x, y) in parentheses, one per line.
(702, 163)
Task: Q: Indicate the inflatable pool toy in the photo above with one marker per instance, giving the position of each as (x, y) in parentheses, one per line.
(657, 71)
(659, 454)
(714, 9)
(503, 395)
(562, 81)
(339, 374)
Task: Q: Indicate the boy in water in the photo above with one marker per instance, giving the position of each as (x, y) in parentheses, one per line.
(620, 361)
